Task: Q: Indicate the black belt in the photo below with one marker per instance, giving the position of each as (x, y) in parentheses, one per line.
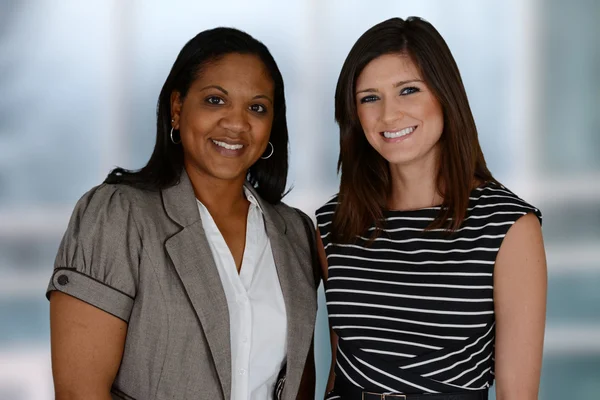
(351, 392)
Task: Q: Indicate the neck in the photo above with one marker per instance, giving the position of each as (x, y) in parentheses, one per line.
(414, 186)
(219, 196)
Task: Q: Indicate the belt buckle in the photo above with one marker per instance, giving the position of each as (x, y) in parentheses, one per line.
(385, 396)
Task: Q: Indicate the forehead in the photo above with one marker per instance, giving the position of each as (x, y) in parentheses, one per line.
(388, 69)
(243, 71)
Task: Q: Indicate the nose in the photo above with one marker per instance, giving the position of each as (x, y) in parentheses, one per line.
(392, 112)
(236, 120)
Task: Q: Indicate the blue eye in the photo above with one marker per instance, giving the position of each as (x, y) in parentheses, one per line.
(409, 90)
(214, 100)
(258, 108)
(369, 99)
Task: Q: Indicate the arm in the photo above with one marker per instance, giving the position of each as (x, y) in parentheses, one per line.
(332, 335)
(87, 346)
(92, 293)
(331, 380)
(307, 384)
(520, 282)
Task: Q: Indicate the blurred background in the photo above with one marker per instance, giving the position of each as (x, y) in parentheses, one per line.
(79, 82)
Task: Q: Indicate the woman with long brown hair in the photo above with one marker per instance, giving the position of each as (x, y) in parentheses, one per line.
(435, 273)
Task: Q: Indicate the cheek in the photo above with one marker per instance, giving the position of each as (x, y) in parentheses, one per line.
(262, 131)
(190, 139)
(439, 123)
(194, 132)
(196, 124)
(192, 146)
(435, 118)
(367, 117)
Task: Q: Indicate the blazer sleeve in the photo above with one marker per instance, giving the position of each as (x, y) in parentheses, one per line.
(99, 255)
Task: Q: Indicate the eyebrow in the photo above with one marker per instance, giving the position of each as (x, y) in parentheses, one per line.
(397, 84)
(259, 96)
(215, 87)
(263, 96)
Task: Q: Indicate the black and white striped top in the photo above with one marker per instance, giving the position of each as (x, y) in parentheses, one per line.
(414, 311)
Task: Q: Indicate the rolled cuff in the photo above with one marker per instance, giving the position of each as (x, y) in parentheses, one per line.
(91, 291)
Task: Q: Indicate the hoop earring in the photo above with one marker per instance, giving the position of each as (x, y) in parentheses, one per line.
(270, 154)
(171, 135)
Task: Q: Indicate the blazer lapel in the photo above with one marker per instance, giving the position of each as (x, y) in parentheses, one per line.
(193, 260)
(300, 300)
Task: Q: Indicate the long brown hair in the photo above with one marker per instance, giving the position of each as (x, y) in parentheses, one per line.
(365, 176)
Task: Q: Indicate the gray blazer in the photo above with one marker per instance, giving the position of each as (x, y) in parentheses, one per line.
(143, 257)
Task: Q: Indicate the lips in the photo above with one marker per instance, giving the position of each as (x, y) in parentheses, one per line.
(398, 133)
(228, 146)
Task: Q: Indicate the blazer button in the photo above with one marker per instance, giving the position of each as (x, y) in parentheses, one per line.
(63, 280)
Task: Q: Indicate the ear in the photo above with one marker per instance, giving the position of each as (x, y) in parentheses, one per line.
(176, 105)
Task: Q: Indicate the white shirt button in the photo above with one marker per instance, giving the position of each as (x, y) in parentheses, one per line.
(245, 339)
(242, 371)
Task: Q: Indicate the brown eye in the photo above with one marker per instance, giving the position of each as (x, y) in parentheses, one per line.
(214, 100)
(258, 108)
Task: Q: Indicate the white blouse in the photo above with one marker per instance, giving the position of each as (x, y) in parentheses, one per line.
(257, 317)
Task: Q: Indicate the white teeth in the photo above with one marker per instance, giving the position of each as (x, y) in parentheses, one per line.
(228, 146)
(403, 132)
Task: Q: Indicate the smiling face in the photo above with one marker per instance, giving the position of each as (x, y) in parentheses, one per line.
(225, 118)
(400, 116)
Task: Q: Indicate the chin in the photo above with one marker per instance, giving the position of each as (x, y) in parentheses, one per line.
(222, 169)
(228, 175)
(411, 156)
(400, 163)
(399, 159)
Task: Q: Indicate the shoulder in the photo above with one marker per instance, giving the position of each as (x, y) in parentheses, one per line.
(136, 195)
(324, 217)
(106, 197)
(496, 202)
(103, 208)
(112, 192)
(298, 226)
(294, 218)
(114, 205)
(300, 230)
(324, 214)
(329, 206)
